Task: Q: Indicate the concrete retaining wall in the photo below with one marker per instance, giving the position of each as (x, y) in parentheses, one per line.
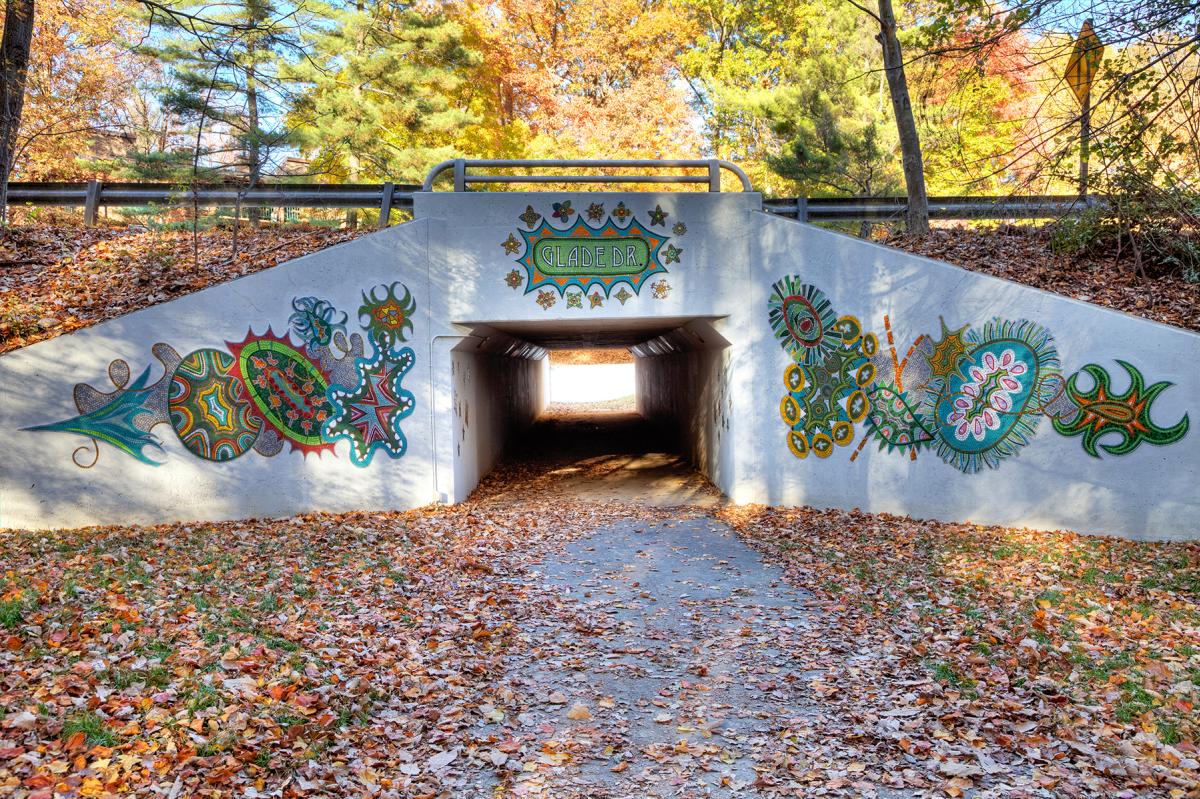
(801, 367)
(1079, 442)
(141, 469)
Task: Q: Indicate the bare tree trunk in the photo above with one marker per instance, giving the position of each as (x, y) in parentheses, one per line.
(254, 214)
(917, 216)
(14, 67)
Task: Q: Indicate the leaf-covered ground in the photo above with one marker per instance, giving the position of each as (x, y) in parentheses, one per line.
(1024, 255)
(426, 654)
(1030, 663)
(55, 279)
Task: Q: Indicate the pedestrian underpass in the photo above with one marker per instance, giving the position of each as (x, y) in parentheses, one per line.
(500, 392)
(789, 364)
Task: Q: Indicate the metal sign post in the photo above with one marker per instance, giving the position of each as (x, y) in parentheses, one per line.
(1081, 71)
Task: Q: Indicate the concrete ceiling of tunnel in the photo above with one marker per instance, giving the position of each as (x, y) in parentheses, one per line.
(562, 334)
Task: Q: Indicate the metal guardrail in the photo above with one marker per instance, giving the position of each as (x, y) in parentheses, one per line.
(460, 167)
(387, 196)
(96, 194)
(883, 209)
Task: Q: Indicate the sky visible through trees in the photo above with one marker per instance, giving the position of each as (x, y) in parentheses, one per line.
(796, 92)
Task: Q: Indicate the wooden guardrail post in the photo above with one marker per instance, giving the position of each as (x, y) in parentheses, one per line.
(385, 205)
(91, 202)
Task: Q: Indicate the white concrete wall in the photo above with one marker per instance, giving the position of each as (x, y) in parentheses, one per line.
(682, 382)
(40, 486)
(1150, 492)
(495, 397)
(457, 260)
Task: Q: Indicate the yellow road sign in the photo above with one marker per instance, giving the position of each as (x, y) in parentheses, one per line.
(1084, 62)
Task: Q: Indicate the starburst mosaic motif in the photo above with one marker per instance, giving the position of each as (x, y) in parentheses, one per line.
(948, 351)
(574, 299)
(369, 414)
(623, 295)
(658, 216)
(514, 279)
(595, 299)
(595, 212)
(510, 244)
(679, 229)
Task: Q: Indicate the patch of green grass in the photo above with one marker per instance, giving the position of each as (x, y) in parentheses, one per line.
(1168, 732)
(92, 726)
(123, 678)
(269, 603)
(216, 744)
(158, 676)
(1135, 702)
(286, 719)
(12, 613)
(1102, 669)
(263, 758)
(160, 649)
(1051, 596)
(202, 698)
(277, 642)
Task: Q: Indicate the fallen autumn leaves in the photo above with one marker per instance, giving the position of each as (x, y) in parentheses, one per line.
(1006, 658)
(57, 279)
(363, 654)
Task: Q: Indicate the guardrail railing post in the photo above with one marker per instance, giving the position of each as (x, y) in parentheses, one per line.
(385, 206)
(460, 174)
(801, 209)
(91, 202)
(714, 175)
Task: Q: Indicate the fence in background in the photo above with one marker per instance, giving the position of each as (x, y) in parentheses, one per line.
(385, 197)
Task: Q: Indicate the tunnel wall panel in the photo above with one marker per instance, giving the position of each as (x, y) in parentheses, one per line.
(494, 397)
(1015, 406)
(188, 443)
(685, 393)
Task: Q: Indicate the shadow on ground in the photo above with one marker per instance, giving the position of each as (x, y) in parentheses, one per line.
(600, 457)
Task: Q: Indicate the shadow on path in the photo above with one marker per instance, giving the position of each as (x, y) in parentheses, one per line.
(599, 457)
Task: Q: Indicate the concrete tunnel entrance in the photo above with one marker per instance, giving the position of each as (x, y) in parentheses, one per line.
(662, 448)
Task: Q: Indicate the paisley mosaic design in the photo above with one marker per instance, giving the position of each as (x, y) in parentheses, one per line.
(802, 317)
(287, 389)
(123, 417)
(118, 422)
(369, 414)
(209, 409)
(989, 404)
(613, 254)
(973, 395)
(1122, 419)
(309, 391)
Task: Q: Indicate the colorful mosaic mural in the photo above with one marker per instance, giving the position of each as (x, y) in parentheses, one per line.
(308, 388)
(595, 252)
(974, 396)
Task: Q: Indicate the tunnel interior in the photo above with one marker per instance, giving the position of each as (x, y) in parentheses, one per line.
(661, 444)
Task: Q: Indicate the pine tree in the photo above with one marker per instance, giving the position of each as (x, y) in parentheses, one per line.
(224, 61)
(379, 98)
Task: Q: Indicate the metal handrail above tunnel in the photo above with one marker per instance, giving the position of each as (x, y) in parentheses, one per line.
(463, 178)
